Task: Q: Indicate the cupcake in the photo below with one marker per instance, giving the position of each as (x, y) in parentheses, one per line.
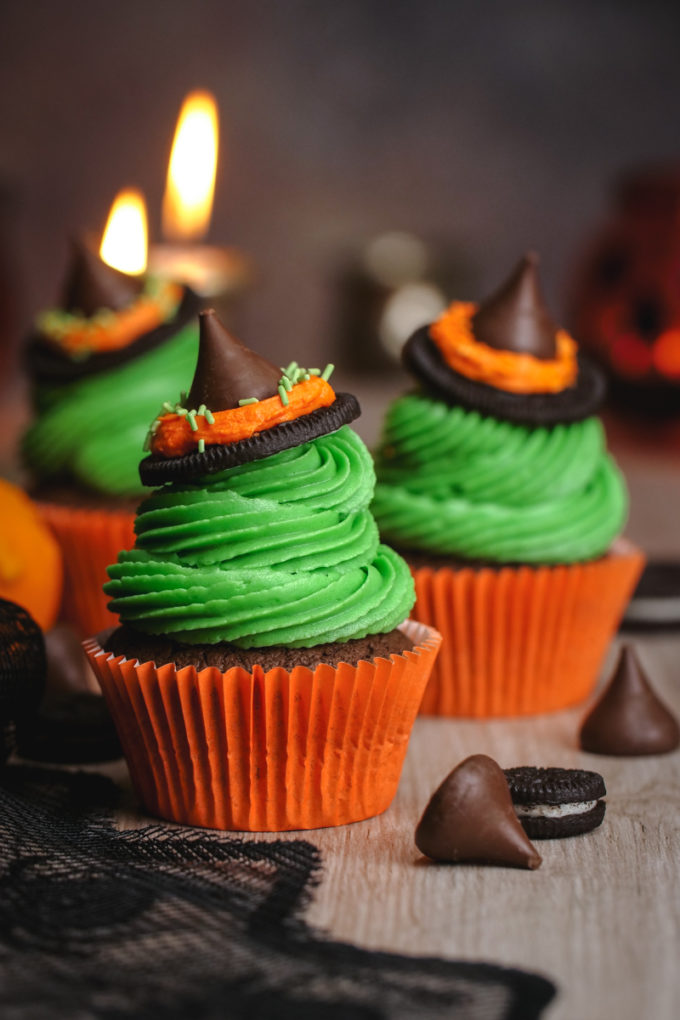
(495, 483)
(263, 676)
(113, 349)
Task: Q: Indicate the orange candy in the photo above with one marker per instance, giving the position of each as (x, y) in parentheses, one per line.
(174, 436)
(30, 560)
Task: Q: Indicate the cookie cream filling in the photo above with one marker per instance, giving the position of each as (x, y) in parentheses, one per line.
(554, 810)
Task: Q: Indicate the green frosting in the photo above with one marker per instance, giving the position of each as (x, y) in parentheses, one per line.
(454, 482)
(93, 430)
(283, 550)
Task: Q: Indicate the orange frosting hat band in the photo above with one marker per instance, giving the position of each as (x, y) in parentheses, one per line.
(175, 434)
(514, 372)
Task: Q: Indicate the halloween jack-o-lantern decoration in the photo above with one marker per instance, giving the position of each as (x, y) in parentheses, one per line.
(625, 302)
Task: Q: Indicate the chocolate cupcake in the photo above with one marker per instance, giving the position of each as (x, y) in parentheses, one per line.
(495, 482)
(115, 346)
(264, 677)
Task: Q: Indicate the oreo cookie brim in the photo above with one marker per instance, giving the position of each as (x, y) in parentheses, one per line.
(568, 825)
(422, 358)
(530, 784)
(47, 363)
(553, 787)
(158, 470)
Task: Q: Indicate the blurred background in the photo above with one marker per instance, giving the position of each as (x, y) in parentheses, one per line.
(483, 127)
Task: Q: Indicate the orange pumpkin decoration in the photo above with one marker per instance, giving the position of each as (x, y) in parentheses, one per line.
(31, 572)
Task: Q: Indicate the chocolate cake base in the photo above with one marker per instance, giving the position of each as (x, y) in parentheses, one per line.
(162, 650)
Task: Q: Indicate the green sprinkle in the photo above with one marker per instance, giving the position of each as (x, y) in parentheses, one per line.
(192, 421)
(201, 445)
(181, 411)
(167, 406)
(284, 396)
(286, 383)
(326, 374)
(314, 371)
(209, 417)
(248, 400)
(147, 441)
(183, 396)
(201, 409)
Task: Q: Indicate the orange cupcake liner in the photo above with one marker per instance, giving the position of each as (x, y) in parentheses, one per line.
(90, 541)
(255, 751)
(522, 640)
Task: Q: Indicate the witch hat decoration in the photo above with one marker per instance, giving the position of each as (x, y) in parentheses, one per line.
(629, 719)
(228, 379)
(470, 817)
(515, 318)
(91, 284)
(226, 371)
(514, 322)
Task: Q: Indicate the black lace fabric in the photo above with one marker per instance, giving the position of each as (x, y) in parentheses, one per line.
(185, 923)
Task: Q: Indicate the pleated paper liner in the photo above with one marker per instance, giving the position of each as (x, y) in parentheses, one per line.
(256, 751)
(90, 540)
(522, 640)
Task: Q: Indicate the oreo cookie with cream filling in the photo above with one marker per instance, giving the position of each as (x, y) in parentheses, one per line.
(552, 803)
(512, 322)
(229, 376)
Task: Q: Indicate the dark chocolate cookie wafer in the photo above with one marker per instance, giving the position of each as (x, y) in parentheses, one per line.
(552, 803)
(157, 470)
(69, 729)
(22, 670)
(48, 363)
(423, 359)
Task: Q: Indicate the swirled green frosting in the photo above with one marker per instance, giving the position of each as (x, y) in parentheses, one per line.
(93, 430)
(454, 482)
(283, 550)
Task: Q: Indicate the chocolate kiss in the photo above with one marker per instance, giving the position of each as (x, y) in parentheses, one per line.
(629, 719)
(470, 817)
(91, 284)
(515, 318)
(226, 371)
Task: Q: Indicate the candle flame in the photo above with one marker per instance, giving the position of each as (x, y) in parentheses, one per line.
(124, 242)
(188, 199)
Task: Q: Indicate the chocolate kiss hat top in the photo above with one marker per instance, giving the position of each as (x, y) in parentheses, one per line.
(91, 284)
(515, 318)
(629, 719)
(470, 817)
(226, 371)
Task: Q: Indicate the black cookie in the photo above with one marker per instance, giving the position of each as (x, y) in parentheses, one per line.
(157, 470)
(423, 359)
(69, 729)
(47, 363)
(22, 670)
(552, 803)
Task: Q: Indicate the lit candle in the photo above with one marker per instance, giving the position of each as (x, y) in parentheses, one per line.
(216, 274)
(125, 239)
